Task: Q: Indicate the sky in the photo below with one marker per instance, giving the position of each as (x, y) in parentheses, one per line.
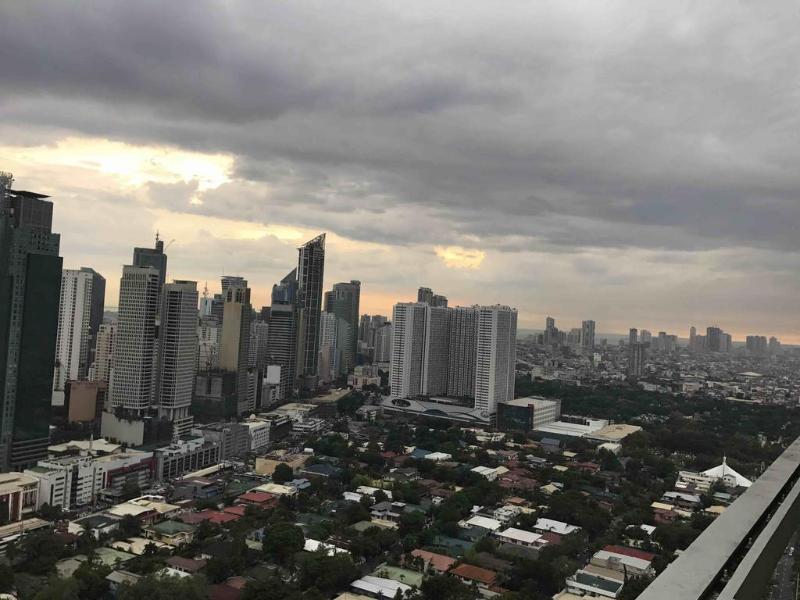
(629, 162)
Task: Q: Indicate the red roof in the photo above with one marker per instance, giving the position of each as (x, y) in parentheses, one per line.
(475, 573)
(551, 538)
(214, 516)
(439, 562)
(257, 497)
(632, 552)
(236, 509)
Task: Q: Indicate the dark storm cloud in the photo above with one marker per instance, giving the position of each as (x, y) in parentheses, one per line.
(530, 126)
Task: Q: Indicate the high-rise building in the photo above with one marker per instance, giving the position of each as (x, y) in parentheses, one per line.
(550, 331)
(177, 355)
(344, 302)
(693, 338)
(496, 342)
(104, 353)
(436, 351)
(282, 334)
(633, 336)
(461, 369)
(645, 336)
(636, 358)
(234, 347)
(714, 339)
(756, 345)
(408, 343)
(30, 281)
(467, 353)
(310, 272)
(774, 345)
(587, 335)
(80, 313)
(155, 258)
(133, 374)
(383, 343)
(333, 332)
(427, 296)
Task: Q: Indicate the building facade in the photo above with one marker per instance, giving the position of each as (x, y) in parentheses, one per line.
(30, 282)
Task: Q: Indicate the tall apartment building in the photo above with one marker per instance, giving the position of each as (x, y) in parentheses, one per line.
(636, 358)
(587, 335)
(282, 335)
(30, 281)
(427, 296)
(80, 314)
(383, 343)
(408, 338)
(103, 353)
(633, 336)
(133, 374)
(344, 303)
(714, 342)
(310, 272)
(177, 355)
(462, 355)
(234, 347)
(496, 346)
(334, 332)
(464, 352)
(435, 351)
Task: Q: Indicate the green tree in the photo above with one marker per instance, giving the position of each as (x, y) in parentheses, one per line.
(91, 579)
(443, 586)
(326, 573)
(59, 589)
(6, 577)
(282, 473)
(164, 588)
(282, 541)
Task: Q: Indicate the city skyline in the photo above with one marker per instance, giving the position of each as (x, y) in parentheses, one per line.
(597, 182)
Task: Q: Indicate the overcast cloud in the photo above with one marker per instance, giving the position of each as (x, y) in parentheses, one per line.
(632, 162)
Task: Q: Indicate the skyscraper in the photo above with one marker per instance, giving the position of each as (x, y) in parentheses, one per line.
(333, 333)
(636, 357)
(104, 353)
(436, 351)
(461, 368)
(463, 352)
(426, 295)
(133, 374)
(344, 302)
(282, 334)
(234, 347)
(177, 355)
(383, 343)
(408, 343)
(714, 339)
(80, 314)
(550, 331)
(310, 272)
(587, 335)
(645, 336)
(693, 338)
(633, 336)
(155, 258)
(30, 281)
(496, 342)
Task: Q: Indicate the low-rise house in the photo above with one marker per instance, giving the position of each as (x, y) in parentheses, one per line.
(583, 583)
(433, 561)
(619, 562)
(520, 539)
(379, 587)
(469, 574)
(549, 525)
(190, 566)
(172, 533)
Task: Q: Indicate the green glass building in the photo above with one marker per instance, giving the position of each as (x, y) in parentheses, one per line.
(30, 285)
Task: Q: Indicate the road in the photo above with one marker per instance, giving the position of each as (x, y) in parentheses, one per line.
(784, 584)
